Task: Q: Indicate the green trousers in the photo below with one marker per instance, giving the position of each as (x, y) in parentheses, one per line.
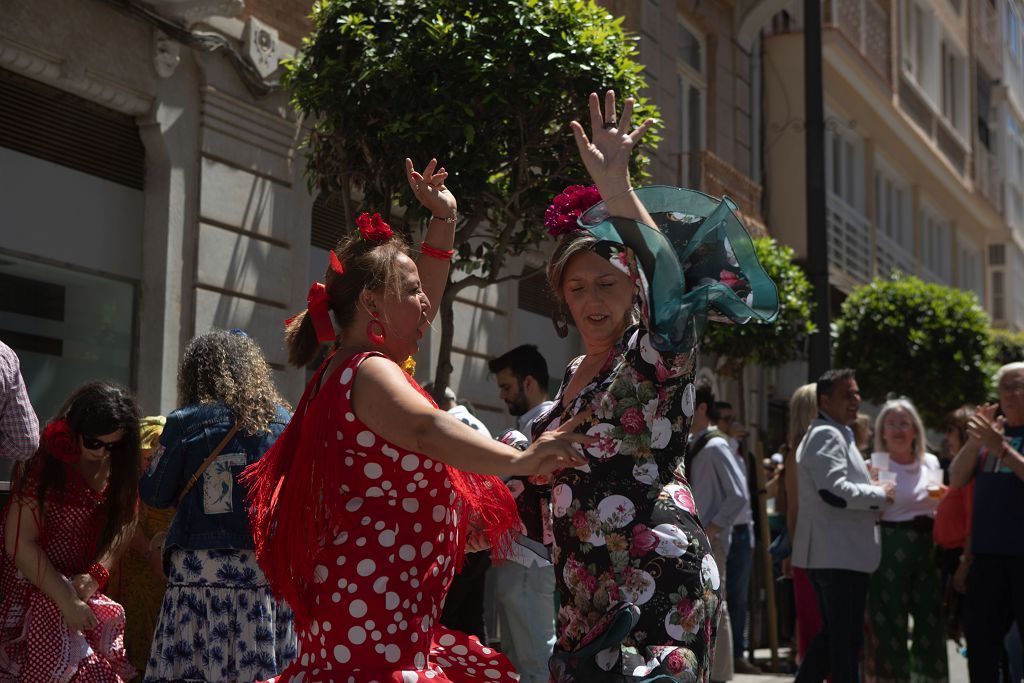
(905, 585)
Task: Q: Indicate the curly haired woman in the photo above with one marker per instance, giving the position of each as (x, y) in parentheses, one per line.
(71, 514)
(218, 621)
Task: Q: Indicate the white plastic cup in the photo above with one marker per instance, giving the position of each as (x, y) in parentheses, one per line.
(886, 475)
(934, 483)
(880, 461)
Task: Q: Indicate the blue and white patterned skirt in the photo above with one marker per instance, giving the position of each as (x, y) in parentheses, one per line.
(219, 621)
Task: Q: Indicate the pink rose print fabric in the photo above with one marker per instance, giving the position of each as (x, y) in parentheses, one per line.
(638, 586)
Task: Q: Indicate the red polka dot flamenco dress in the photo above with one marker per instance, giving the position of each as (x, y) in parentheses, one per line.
(392, 532)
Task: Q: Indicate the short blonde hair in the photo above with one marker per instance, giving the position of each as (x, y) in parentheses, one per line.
(1007, 369)
(803, 408)
(906, 406)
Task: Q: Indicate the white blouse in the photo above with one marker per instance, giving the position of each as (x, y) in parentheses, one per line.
(911, 495)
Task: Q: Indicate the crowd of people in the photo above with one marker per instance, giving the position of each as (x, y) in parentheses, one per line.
(369, 534)
(892, 549)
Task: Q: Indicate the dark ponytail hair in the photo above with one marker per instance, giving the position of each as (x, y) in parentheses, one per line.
(96, 409)
(368, 265)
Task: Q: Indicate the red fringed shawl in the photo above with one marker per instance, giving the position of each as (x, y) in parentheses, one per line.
(296, 501)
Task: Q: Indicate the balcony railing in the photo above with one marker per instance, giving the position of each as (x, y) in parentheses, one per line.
(706, 171)
(950, 143)
(987, 178)
(865, 25)
(892, 256)
(929, 275)
(849, 239)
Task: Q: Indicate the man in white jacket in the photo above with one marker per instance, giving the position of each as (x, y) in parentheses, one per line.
(836, 535)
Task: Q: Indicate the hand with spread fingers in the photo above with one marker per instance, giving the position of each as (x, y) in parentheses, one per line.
(431, 191)
(986, 427)
(605, 153)
(556, 449)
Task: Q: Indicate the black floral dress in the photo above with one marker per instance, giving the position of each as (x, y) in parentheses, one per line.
(637, 582)
(638, 585)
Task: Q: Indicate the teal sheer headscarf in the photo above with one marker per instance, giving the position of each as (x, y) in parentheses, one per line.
(700, 263)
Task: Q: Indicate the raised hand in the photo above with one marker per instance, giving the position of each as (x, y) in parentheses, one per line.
(606, 152)
(430, 189)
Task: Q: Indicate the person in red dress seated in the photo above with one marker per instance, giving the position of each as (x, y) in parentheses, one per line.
(72, 512)
(362, 509)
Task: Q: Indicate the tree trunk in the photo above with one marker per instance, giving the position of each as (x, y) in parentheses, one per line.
(741, 409)
(446, 311)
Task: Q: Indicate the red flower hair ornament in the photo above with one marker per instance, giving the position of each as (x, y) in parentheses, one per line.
(373, 228)
(61, 442)
(562, 216)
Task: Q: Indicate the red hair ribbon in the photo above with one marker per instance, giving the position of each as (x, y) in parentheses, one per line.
(318, 306)
(336, 264)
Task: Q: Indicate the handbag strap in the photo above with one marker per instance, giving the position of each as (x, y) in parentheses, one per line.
(206, 463)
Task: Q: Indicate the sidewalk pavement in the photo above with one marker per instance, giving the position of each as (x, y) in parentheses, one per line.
(957, 668)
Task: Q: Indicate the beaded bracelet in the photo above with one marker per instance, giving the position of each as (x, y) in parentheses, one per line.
(450, 219)
(100, 574)
(434, 252)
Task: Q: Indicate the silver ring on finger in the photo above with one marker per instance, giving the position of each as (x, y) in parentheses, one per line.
(608, 124)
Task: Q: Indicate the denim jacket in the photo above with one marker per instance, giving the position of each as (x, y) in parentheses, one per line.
(213, 514)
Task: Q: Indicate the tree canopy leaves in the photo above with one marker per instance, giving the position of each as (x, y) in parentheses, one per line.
(769, 343)
(486, 86)
(924, 341)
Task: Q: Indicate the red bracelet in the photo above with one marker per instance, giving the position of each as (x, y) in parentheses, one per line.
(100, 573)
(434, 252)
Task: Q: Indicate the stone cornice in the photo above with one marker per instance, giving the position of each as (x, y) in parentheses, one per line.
(74, 78)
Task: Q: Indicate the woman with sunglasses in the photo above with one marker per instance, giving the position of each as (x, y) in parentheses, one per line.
(71, 514)
(218, 620)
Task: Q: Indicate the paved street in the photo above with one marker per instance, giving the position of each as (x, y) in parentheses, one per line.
(957, 668)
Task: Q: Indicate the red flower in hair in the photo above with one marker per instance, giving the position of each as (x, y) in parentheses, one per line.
(373, 228)
(562, 216)
(60, 442)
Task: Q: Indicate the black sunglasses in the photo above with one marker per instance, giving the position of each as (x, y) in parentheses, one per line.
(94, 444)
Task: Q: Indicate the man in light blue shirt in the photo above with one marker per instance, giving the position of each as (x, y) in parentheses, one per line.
(718, 485)
(741, 545)
(524, 586)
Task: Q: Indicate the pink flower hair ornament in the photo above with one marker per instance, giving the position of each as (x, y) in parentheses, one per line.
(563, 215)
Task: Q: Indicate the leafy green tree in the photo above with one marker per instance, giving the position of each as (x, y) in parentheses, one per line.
(1007, 346)
(924, 341)
(772, 343)
(486, 86)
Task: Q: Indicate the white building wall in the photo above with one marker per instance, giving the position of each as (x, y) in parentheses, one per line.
(220, 235)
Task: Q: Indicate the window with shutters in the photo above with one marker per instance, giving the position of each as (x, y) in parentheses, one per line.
(64, 129)
(691, 100)
(969, 269)
(935, 247)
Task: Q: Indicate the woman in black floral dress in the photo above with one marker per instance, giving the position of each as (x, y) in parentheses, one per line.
(639, 588)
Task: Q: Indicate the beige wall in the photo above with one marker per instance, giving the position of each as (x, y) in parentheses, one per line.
(728, 103)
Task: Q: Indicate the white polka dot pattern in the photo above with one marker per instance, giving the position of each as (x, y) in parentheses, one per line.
(382, 579)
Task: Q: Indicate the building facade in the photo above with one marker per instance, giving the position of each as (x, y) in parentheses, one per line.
(153, 184)
(915, 175)
(152, 188)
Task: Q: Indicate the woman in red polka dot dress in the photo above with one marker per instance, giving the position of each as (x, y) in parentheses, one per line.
(364, 506)
(71, 514)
